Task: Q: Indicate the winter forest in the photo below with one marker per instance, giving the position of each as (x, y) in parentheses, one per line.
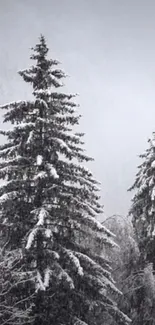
(59, 265)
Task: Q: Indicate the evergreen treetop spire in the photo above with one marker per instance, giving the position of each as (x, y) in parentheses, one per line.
(42, 76)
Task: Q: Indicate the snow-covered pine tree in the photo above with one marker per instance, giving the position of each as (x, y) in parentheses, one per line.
(143, 218)
(143, 204)
(49, 204)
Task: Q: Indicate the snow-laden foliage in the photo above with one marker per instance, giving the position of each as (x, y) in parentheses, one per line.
(48, 202)
(133, 278)
(15, 305)
(143, 203)
(142, 212)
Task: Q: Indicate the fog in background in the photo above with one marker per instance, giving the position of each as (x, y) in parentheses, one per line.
(107, 47)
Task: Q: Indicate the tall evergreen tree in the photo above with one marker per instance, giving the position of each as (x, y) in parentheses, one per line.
(49, 204)
(143, 218)
(143, 204)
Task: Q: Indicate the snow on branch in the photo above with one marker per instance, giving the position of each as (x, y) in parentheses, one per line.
(62, 143)
(124, 319)
(24, 125)
(13, 104)
(153, 194)
(110, 285)
(47, 277)
(74, 260)
(153, 164)
(45, 92)
(48, 233)
(42, 285)
(29, 139)
(96, 282)
(96, 225)
(39, 160)
(89, 264)
(31, 238)
(41, 174)
(17, 159)
(7, 196)
(42, 215)
(18, 127)
(9, 150)
(53, 171)
(77, 321)
(41, 102)
(64, 276)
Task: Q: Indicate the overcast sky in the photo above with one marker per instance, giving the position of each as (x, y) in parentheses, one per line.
(108, 49)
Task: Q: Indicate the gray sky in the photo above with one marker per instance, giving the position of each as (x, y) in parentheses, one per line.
(108, 49)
